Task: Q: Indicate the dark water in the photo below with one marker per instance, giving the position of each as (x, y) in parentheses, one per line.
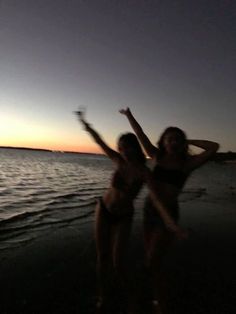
(43, 190)
(39, 190)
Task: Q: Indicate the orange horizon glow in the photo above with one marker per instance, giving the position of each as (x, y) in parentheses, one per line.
(15, 132)
(53, 147)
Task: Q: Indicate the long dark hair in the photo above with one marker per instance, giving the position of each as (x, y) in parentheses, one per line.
(180, 133)
(131, 140)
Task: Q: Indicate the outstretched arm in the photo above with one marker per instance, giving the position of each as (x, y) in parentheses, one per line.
(210, 148)
(149, 148)
(112, 154)
(169, 222)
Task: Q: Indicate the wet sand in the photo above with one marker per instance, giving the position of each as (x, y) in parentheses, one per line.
(56, 272)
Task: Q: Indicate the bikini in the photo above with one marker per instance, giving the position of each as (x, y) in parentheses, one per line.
(173, 177)
(118, 182)
(113, 218)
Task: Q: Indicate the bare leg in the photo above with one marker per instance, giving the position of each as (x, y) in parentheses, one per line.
(121, 235)
(104, 254)
(157, 242)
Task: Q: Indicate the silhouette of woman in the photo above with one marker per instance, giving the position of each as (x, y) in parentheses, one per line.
(172, 166)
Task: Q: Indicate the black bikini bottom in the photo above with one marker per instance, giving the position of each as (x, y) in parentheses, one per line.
(113, 218)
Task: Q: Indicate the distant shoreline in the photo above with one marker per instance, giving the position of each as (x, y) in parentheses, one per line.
(49, 150)
(219, 157)
(225, 156)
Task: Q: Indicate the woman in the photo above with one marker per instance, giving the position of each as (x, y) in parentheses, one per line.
(172, 166)
(115, 209)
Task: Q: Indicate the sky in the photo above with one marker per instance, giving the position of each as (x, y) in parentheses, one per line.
(173, 62)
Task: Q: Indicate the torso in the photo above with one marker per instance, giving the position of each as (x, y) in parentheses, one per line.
(170, 176)
(125, 185)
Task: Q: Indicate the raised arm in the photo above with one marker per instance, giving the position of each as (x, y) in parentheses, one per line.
(210, 148)
(150, 149)
(112, 154)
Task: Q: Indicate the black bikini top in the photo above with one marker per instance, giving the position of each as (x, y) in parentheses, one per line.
(119, 182)
(171, 176)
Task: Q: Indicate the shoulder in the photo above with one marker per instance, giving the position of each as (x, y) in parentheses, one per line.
(157, 155)
(118, 161)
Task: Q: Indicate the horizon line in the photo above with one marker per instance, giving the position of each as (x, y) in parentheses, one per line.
(50, 150)
(74, 152)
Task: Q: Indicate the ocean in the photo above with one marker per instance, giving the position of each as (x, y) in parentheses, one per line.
(41, 190)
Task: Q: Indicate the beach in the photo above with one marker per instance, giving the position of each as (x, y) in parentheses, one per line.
(55, 273)
(47, 249)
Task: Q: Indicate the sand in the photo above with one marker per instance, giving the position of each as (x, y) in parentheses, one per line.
(55, 273)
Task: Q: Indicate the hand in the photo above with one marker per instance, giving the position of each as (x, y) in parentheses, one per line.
(80, 112)
(125, 112)
(80, 115)
(181, 234)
